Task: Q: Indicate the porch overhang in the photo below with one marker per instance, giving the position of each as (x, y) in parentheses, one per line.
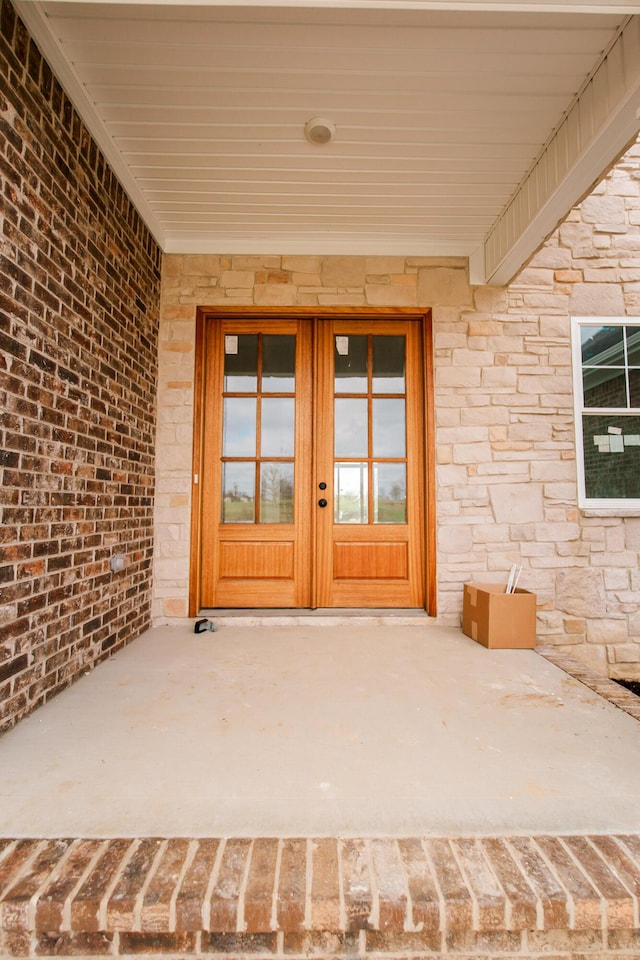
(602, 121)
(436, 157)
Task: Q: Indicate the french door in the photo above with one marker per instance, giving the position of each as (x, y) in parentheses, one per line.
(311, 463)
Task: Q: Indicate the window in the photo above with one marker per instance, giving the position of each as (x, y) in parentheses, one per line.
(606, 366)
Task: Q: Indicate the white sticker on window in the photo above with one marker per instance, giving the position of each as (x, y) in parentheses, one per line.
(616, 444)
(342, 346)
(231, 343)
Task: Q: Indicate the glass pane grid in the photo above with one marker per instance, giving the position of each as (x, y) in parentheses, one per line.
(258, 428)
(370, 430)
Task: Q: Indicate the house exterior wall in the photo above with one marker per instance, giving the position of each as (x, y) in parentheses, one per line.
(506, 460)
(79, 301)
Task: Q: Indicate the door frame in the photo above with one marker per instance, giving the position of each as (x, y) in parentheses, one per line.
(205, 314)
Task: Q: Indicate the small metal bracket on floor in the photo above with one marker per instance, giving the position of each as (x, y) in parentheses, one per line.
(201, 626)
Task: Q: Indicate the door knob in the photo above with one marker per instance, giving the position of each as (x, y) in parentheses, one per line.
(322, 486)
(322, 503)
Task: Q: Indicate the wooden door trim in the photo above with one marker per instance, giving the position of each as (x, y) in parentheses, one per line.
(290, 313)
(204, 313)
(195, 552)
(430, 533)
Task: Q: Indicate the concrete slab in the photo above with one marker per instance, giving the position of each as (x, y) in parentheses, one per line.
(357, 729)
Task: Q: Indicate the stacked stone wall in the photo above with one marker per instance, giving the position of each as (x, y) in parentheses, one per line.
(79, 302)
(505, 445)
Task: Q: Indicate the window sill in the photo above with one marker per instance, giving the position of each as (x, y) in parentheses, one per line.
(610, 511)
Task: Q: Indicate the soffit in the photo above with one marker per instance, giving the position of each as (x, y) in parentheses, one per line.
(442, 111)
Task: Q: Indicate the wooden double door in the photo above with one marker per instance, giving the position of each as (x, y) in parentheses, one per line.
(311, 485)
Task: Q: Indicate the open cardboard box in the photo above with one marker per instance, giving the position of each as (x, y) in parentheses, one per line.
(498, 619)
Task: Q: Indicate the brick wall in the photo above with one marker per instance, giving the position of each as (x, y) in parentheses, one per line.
(506, 458)
(79, 294)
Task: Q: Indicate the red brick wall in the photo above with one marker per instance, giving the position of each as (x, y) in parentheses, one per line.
(79, 302)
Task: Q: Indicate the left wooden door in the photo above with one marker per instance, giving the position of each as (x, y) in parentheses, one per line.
(256, 537)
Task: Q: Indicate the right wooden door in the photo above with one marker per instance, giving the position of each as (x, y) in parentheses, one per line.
(369, 443)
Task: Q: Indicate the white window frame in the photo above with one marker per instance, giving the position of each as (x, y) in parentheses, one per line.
(613, 503)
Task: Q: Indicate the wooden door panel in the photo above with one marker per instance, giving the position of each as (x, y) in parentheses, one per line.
(243, 593)
(370, 561)
(257, 560)
(381, 594)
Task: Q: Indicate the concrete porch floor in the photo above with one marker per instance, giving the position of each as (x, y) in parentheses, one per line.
(340, 728)
(324, 788)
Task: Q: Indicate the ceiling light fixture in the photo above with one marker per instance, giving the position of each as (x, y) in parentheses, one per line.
(319, 130)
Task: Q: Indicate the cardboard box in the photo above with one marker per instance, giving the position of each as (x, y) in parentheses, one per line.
(497, 619)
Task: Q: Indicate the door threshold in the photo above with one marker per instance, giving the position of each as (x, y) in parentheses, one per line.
(328, 616)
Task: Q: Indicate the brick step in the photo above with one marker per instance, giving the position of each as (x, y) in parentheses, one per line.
(524, 897)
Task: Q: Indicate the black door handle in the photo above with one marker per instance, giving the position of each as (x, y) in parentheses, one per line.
(322, 503)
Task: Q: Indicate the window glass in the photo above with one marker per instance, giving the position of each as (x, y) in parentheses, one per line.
(389, 493)
(351, 364)
(388, 364)
(239, 427)
(602, 346)
(277, 427)
(633, 346)
(238, 492)
(278, 363)
(388, 428)
(611, 457)
(351, 428)
(241, 363)
(604, 387)
(351, 486)
(276, 492)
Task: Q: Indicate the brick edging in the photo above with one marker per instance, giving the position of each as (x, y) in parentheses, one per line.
(606, 688)
(196, 897)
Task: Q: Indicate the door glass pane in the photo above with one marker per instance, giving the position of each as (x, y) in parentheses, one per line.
(388, 364)
(351, 493)
(350, 354)
(389, 493)
(276, 492)
(388, 428)
(238, 492)
(239, 427)
(604, 387)
(241, 363)
(611, 456)
(634, 388)
(351, 428)
(602, 345)
(278, 363)
(277, 433)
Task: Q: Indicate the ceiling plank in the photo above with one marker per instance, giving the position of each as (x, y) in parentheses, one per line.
(501, 6)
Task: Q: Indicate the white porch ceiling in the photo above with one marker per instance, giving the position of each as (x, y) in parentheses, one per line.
(463, 127)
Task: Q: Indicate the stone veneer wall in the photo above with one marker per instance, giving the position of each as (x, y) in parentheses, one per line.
(506, 475)
(79, 301)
